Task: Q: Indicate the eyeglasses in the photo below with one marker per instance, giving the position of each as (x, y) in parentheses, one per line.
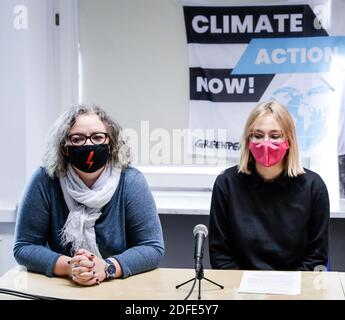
(79, 139)
(274, 137)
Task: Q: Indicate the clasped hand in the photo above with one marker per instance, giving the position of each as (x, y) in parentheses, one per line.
(87, 269)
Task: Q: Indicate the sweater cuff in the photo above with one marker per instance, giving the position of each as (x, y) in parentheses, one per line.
(126, 272)
(51, 265)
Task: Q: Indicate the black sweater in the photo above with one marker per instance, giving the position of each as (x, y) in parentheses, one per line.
(278, 225)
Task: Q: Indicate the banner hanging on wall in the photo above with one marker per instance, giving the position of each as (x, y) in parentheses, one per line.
(242, 55)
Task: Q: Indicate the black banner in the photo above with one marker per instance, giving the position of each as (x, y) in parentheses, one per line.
(218, 85)
(241, 24)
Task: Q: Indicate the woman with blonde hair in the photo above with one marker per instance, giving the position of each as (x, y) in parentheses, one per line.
(86, 213)
(269, 212)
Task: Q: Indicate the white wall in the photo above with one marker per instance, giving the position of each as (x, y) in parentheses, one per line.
(36, 82)
(28, 99)
(28, 103)
(12, 105)
(134, 60)
(31, 94)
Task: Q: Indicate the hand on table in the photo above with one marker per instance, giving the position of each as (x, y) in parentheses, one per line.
(87, 269)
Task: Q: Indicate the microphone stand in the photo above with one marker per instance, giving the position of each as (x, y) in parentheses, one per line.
(199, 275)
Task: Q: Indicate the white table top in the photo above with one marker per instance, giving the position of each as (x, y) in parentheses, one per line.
(160, 284)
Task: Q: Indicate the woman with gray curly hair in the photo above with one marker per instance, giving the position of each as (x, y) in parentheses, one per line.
(86, 213)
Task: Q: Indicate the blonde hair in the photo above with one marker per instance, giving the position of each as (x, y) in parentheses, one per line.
(54, 159)
(280, 113)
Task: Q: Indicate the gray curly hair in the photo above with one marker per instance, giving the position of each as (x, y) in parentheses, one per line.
(54, 158)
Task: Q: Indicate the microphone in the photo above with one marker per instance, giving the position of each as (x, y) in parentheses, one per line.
(200, 233)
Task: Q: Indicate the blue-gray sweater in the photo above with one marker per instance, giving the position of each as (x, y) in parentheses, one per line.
(128, 229)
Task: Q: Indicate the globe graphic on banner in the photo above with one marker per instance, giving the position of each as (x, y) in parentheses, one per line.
(308, 112)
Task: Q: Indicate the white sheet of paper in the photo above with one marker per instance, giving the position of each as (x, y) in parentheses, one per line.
(271, 282)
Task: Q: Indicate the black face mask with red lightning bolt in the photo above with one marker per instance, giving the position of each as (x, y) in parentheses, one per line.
(88, 158)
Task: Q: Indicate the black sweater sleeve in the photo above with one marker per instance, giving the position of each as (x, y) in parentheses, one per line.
(221, 254)
(318, 228)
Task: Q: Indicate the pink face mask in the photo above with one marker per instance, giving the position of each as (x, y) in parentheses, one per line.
(268, 153)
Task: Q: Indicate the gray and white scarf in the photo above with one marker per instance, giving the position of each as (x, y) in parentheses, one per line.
(85, 206)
